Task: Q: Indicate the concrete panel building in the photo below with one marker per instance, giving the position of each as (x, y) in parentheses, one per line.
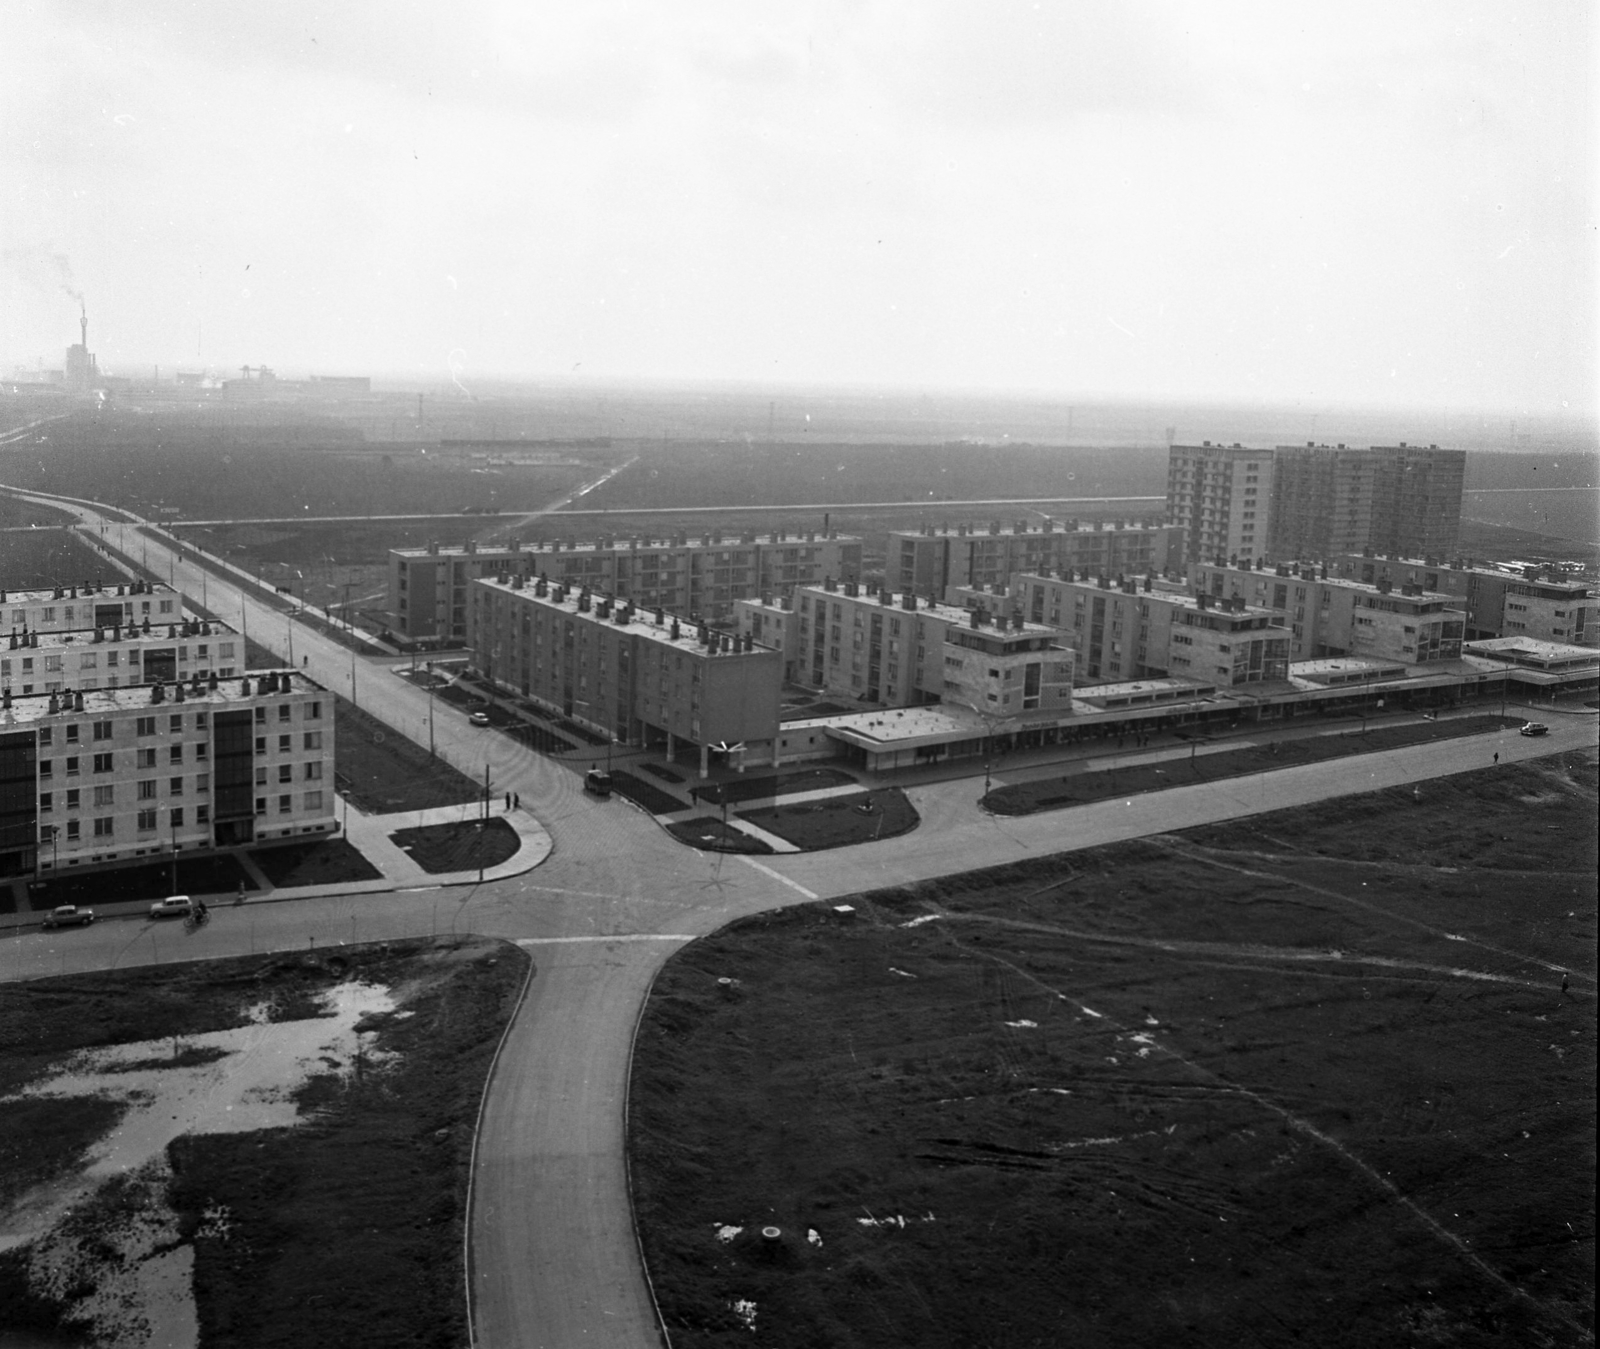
(929, 563)
(1332, 616)
(66, 608)
(115, 657)
(108, 776)
(1220, 495)
(899, 651)
(700, 578)
(1396, 499)
(1121, 632)
(1499, 602)
(638, 676)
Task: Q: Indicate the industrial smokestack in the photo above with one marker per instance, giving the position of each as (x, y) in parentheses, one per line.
(83, 325)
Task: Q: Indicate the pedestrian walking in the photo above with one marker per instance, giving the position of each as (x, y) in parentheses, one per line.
(1497, 756)
(508, 800)
(516, 800)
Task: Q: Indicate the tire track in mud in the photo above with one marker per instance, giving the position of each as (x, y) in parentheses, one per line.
(1199, 951)
(1208, 856)
(1304, 1127)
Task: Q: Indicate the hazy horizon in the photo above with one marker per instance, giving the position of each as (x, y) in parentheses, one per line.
(1376, 205)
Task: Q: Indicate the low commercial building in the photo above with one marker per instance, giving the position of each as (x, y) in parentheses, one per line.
(1331, 616)
(897, 650)
(1128, 629)
(65, 608)
(700, 578)
(930, 563)
(106, 776)
(1498, 601)
(638, 676)
(115, 657)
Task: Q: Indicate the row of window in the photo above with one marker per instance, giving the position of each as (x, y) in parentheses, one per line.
(104, 826)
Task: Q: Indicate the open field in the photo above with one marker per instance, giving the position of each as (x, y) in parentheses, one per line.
(335, 1218)
(31, 559)
(1308, 1078)
(1083, 786)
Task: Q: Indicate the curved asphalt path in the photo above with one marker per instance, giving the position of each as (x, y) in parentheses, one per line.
(554, 1262)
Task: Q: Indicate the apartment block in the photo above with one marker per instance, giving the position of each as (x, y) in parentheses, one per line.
(115, 657)
(701, 578)
(1328, 500)
(1333, 616)
(1220, 495)
(639, 676)
(1322, 501)
(929, 563)
(1499, 602)
(99, 776)
(65, 608)
(894, 649)
(1131, 630)
(1416, 500)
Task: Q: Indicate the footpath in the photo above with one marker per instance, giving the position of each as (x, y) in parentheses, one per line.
(370, 836)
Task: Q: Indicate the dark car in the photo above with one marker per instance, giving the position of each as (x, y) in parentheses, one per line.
(598, 782)
(68, 915)
(1535, 728)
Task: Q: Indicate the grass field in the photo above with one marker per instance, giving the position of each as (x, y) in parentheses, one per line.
(345, 1229)
(462, 846)
(381, 772)
(838, 821)
(1308, 1078)
(1082, 787)
(31, 559)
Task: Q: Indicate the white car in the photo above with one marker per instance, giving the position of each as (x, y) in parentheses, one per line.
(479, 718)
(173, 906)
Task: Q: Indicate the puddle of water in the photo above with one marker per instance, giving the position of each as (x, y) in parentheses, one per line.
(902, 973)
(1024, 1024)
(918, 922)
(140, 1270)
(727, 1232)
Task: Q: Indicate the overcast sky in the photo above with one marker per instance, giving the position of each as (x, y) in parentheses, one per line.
(1384, 203)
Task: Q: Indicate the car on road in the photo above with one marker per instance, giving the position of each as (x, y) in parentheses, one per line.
(68, 915)
(597, 781)
(479, 718)
(173, 906)
(1535, 728)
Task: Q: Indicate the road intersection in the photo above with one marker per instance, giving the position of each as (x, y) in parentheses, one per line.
(554, 1261)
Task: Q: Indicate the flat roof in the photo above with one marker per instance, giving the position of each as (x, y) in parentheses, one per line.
(1530, 646)
(27, 709)
(83, 592)
(94, 636)
(956, 615)
(642, 624)
(1343, 665)
(552, 547)
(1060, 529)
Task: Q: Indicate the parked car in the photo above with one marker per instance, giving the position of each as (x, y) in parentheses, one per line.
(1535, 728)
(68, 915)
(173, 906)
(479, 718)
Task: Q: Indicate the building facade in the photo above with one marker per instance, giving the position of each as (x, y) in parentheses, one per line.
(69, 608)
(929, 563)
(702, 578)
(117, 775)
(1395, 499)
(1322, 501)
(1498, 603)
(899, 651)
(108, 658)
(1331, 616)
(1120, 632)
(640, 677)
(1220, 495)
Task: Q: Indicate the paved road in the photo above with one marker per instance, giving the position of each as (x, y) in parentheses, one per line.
(554, 1261)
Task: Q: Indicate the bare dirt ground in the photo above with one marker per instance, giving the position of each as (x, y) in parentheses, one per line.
(260, 1151)
(1309, 1079)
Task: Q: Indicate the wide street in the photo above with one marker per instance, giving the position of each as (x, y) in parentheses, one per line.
(553, 1259)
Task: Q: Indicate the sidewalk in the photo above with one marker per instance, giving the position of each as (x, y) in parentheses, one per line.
(369, 835)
